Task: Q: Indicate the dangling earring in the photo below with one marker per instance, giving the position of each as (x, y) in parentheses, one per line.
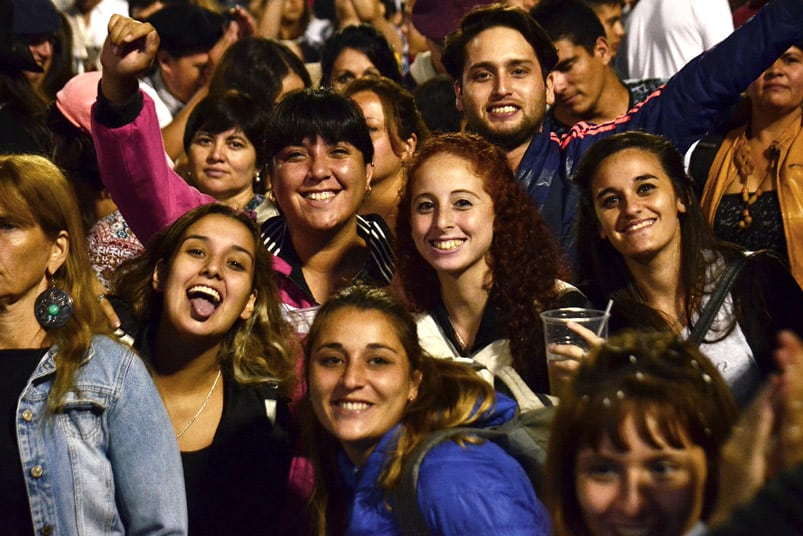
(53, 308)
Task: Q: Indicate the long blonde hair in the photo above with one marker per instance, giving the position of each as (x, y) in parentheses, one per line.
(36, 193)
(450, 394)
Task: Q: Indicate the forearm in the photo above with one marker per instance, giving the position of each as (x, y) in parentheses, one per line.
(134, 168)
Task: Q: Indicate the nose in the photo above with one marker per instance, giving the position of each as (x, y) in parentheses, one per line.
(502, 86)
(353, 374)
(776, 69)
(319, 166)
(444, 219)
(631, 205)
(216, 153)
(632, 497)
(211, 267)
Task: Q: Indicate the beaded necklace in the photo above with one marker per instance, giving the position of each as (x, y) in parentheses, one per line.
(745, 167)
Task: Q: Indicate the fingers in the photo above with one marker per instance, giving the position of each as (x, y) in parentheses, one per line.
(744, 456)
(789, 351)
(124, 31)
(588, 335)
(566, 351)
(108, 310)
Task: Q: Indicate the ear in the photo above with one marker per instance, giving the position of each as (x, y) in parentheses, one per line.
(414, 385)
(602, 50)
(164, 60)
(158, 276)
(369, 174)
(409, 147)
(458, 96)
(550, 90)
(681, 205)
(250, 305)
(59, 250)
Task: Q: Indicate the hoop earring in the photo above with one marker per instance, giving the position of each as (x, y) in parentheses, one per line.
(53, 307)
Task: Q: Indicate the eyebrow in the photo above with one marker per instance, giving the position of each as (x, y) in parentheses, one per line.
(205, 239)
(373, 346)
(491, 65)
(637, 178)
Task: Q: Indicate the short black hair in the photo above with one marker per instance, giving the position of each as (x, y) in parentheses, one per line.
(572, 20)
(220, 112)
(362, 38)
(318, 112)
(483, 18)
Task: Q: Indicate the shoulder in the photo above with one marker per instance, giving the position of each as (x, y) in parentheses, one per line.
(487, 489)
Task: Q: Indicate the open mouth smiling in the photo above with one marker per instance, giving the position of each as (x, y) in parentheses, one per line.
(204, 300)
(447, 245)
(637, 225)
(319, 196)
(352, 405)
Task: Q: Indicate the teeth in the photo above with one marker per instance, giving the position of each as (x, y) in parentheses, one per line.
(503, 109)
(640, 225)
(353, 406)
(447, 244)
(319, 196)
(212, 294)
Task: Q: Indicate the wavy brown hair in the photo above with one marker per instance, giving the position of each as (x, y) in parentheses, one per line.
(35, 192)
(654, 377)
(523, 259)
(450, 395)
(256, 350)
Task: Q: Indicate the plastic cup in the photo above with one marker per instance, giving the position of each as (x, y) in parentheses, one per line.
(557, 332)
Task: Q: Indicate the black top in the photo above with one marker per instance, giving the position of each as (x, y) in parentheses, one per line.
(766, 231)
(237, 484)
(18, 366)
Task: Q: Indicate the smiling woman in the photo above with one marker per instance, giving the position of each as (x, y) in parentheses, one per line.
(476, 259)
(373, 397)
(205, 299)
(635, 441)
(643, 242)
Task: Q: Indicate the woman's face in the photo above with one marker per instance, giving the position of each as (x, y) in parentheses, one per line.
(27, 257)
(349, 65)
(781, 86)
(646, 490)
(223, 165)
(387, 164)
(292, 11)
(451, 216)
(42, 50)
(636, 204)
(319, 186)
(360, 380)
(290, 82)
(208, 283)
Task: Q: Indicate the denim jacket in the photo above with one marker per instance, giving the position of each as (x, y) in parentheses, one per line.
(108, 462)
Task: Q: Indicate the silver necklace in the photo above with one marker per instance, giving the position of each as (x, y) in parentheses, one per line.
(203, 406)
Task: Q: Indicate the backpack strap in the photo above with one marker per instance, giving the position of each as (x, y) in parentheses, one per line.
(406, 509)
(709, 312)
(496, 358)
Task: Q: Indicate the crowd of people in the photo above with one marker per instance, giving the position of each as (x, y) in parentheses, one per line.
(255, 255)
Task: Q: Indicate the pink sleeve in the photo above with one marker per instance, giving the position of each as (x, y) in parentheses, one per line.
(135, 170)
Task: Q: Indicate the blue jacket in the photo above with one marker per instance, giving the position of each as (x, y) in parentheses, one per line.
(683, 111)
(108, 463)
(472, 490)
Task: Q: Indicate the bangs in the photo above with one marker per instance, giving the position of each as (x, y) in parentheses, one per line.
(657, 423)
(312, 113)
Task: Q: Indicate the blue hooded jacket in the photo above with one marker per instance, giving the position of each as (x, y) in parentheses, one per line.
(471, 490)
